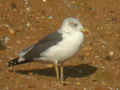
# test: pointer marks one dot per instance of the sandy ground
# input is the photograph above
(95, 67)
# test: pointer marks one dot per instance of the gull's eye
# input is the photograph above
(73, 24)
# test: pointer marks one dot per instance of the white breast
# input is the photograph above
(64, 49)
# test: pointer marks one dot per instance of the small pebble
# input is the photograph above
(18, 42)
(50, 17)
(42, 17)
(87, 48)
(110, 88)
(6, 38)
(26, 2)
(11, 31)
(111, 53)
(102, 67)
(28, 37)
(3, 42)
(44, 0)
(100, 27)
(84, 88)
(117, 88)
(103, 46)
(97, 56)
(28, 24)
(28, 9)
(6, 88)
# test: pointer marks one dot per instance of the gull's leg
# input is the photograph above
(57, 72)
(61, 73)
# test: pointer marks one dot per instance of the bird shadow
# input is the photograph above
(82, 70)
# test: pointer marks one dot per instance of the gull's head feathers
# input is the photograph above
(71, 25)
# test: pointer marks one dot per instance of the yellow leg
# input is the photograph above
(57, 72)
(61, 73)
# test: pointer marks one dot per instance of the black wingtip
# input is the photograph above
(16, 61)
(13, 62)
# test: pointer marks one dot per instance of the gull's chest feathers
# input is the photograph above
(66, 48)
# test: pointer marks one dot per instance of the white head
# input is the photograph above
(71, 25)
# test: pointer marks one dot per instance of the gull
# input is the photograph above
(55, 48)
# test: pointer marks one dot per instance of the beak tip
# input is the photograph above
(85, 31)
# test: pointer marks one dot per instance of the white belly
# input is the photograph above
(65, 49)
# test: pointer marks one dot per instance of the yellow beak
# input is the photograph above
(85, 30)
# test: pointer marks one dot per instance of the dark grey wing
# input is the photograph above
(25, 50)
(42, 45)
